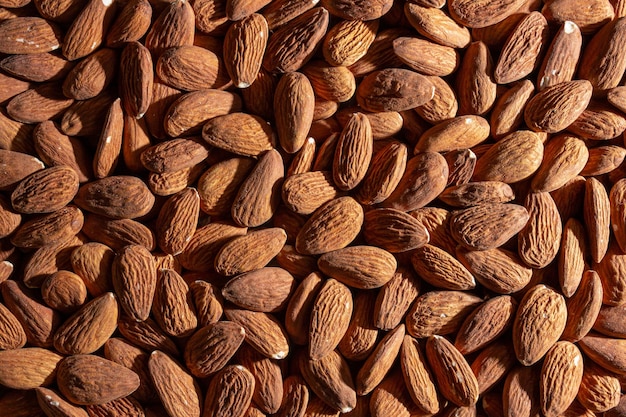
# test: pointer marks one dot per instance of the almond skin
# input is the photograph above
(539, 322)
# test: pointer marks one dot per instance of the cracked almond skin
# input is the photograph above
(539, 322)
(482, 13)
(330, 318)
(331, 227)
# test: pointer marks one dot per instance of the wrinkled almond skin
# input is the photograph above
(561, 374)
(539, 322)
(75, 378)
(375, 266)
(330, 317)
(209, 349)
(333, 226)
(452, 372)
(265, 289)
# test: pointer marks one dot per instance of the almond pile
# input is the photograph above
(245, 208)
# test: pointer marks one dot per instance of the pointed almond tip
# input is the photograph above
(279, 355)
(346, 409)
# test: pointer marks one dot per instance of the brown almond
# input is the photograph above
(487, 226)
(452, 372)
(439, 312)
(28, 368)
(265, 290)
(539, 322)
(77, 381)
(561, 374)
(210, 348)
(117, 197)
(362, 267)
(178, 391)
(134, 279)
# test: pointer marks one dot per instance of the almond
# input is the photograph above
(539, 322)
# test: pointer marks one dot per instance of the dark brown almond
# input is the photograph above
(117, 197)
(394, 89)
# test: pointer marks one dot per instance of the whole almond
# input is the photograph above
(452, 372)
(211, 347)
(42, 36)
(89, 328)
(410, 90)
(556, 107)
(117, 197)
(294, 103)
(475, 228)
(266, 289)
(77, 382)
(431, 315)
(374, 268)
(330, 317)
(539, 322)
(332, 226)
(259, 194)
(561, 374)
(178, 391)
(28, 368)
(221, 399)
(134, 280)
(244, 46)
